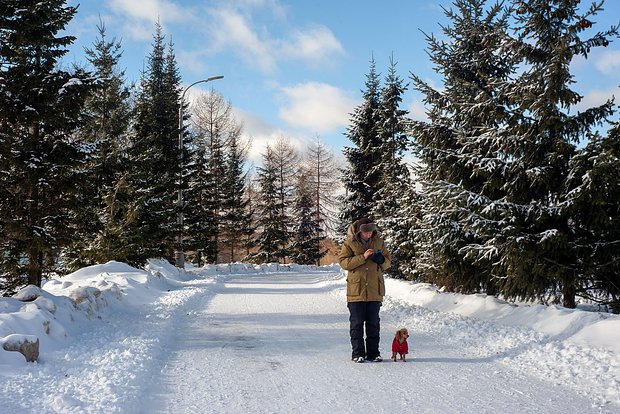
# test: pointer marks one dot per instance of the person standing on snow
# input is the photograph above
(365, 258)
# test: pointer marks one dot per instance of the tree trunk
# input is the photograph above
(568, 294)
(35, 261)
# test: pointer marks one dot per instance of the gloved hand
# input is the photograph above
(377, 257)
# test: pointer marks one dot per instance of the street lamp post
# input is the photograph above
(180, 254)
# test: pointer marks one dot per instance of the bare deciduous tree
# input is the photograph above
(324, 178)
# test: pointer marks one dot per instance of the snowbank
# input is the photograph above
(593, 329)
(64, 306)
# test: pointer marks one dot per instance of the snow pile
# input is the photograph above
(593, 329)
(66, 305)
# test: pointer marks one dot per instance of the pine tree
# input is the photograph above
(394, 180)
(308, 229)
(272, 233)
(591, 200)
(40, 109)
(104, 132)
(459, 149)
(237, 216)
(153, 159)
(361, 176)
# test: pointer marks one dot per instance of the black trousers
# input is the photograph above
(364, 315)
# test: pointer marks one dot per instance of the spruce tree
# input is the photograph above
(40, 109)
(308, 229)
(460, 148)
(273, 235)
(497, 151)
(286, 160)
(176, 176)
(199, 218)
(103, 133)
(534, 253)
(237, 216)
(394, 181)
(215, 126)
(253, 198)
(591, 201)
(153, 158)
(361, 176)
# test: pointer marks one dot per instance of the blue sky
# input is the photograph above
(296, 68)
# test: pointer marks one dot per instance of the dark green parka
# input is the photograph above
(365, 281)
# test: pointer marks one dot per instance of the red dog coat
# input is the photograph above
(402, 349)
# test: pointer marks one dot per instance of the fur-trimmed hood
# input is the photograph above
(353, 232)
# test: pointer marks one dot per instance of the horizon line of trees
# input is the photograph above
(90, 166)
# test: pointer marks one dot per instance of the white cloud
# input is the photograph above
(139, 30)
(193, 62)
(316, 107)
(255, 126)
(151, 10)
(597, 97)
(255, 30)
(233, 32)
(315, 46)
(417, 112)
(277, 9)
(259, 133)
(608, 62)
(138, 17)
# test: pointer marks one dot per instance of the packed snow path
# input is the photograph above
(278, 343)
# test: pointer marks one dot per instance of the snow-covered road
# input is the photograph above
(274, 339)
(278, 343)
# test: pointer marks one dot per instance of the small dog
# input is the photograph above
(399, 345)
